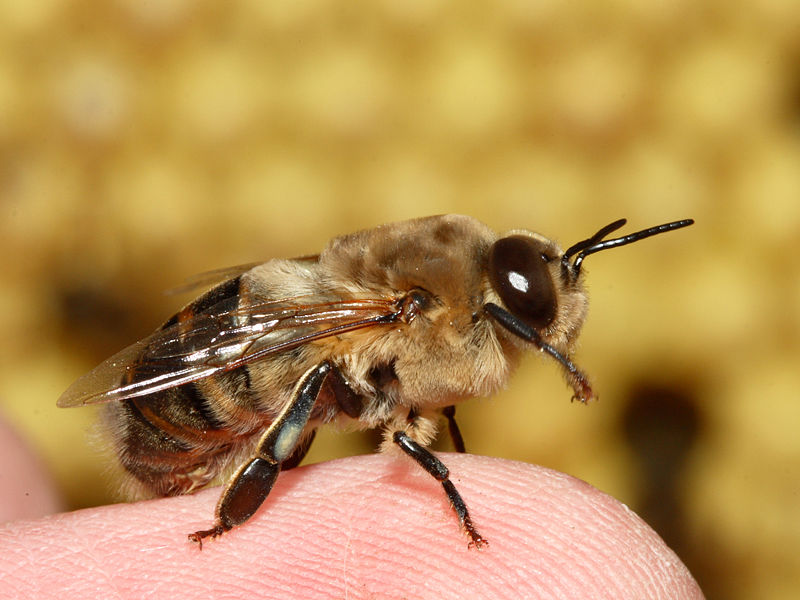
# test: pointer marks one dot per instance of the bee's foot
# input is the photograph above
(199, 536)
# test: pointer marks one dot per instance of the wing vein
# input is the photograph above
(221, 339)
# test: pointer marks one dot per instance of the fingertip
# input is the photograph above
(372, 525)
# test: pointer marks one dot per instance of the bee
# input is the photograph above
(388, 327)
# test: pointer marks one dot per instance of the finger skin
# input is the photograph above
(26, 489)
(363, 527)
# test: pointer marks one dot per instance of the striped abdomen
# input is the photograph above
(178, 439)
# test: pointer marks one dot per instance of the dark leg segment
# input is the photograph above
(351, 403)
(247, 491)
(252, 483)
(455, 433)
(440, 472)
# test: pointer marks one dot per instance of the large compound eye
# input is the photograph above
(519, 274)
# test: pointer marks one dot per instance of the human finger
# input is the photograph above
(364, 527)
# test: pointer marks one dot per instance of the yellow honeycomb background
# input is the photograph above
(142, 142)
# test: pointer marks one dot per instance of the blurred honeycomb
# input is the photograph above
(141, 142)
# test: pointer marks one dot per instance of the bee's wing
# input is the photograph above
(220, 340)
(214, 276)
(209, 278)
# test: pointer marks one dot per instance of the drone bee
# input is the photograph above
(388, 327)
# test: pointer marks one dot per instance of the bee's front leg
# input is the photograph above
(441, 473)
(253, 481)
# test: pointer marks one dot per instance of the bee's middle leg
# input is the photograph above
(251, 484)
(455, 432)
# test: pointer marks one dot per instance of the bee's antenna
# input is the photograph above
(596, 242)
(592, 240)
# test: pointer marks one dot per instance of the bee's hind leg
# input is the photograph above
(251, 484)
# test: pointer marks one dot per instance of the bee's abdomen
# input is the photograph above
(173, 441)
(182, 414)
(170, 441)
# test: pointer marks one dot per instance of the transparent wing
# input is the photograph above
(209, 278)
(221, 339)
(215, 276)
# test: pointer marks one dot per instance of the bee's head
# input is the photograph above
(539, 287)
